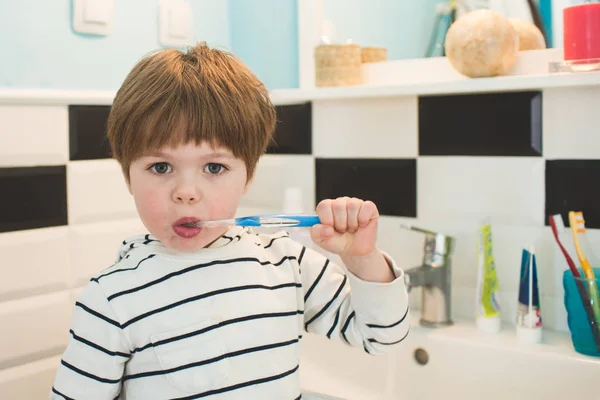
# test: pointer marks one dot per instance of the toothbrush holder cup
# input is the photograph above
(585, 335)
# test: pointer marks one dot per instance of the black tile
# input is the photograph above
(572, 185)
(293, 133)
(390, 183)
(490, 124)
(32, 197)
(87, 132)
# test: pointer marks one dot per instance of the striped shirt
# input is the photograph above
(221, 323)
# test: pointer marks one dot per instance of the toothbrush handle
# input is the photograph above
(263, 220)
(248, 221)
(304, 220)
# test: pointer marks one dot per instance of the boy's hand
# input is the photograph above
(348, 226)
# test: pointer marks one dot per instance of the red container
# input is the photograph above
(581, 32)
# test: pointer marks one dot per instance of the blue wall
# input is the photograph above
(38, 48)
(264, 33)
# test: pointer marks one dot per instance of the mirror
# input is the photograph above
(416, 29)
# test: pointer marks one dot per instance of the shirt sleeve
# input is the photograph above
(93, 362)
(344, 307)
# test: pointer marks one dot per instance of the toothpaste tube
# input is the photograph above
(529, 314)
(488, 306)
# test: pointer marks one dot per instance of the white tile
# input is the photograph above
(471, 188)
(275, 173)
(570, 123)
(463, 303)
(34, 328)
(376, 128)
(30, 381)
(33, 135)
(96, 192)
(95, 246)
(405, 247)
(35, 261)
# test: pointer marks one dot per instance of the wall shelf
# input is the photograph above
(296, 96)
(416, 77)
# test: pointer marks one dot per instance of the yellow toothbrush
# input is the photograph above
(578, 227)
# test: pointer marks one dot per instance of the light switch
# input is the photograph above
(177, 29)
(97, 11)
(93, 16)
(175, 23)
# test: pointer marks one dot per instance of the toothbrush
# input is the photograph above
(578, 227)
(557, 225)
(267, 220)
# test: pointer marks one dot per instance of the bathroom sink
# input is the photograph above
(455, 362)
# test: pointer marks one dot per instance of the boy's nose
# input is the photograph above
(186, 199)
(186, 194)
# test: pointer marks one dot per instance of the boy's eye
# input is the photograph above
(161, 168)
(213, 168)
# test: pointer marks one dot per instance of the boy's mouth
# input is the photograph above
(187, 221)
(186, 227)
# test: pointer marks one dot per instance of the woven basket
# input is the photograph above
(337, 65)
(373, 54)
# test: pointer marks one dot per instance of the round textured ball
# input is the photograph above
(530, 36)
(482, 43)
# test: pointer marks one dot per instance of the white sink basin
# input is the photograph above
(462, 364)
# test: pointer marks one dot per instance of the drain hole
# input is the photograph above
(421, 356)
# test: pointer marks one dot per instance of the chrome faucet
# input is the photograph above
(434, 277)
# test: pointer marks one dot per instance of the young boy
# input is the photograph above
(189, 313)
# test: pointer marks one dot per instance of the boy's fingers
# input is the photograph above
(325, 212)
(354, 206)
(340, 214)
(368, 211)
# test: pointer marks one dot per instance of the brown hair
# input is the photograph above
(172, 98)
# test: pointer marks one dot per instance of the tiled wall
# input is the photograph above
(62, 211)
(443, 163)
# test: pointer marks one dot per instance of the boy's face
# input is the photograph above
(183, 184)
